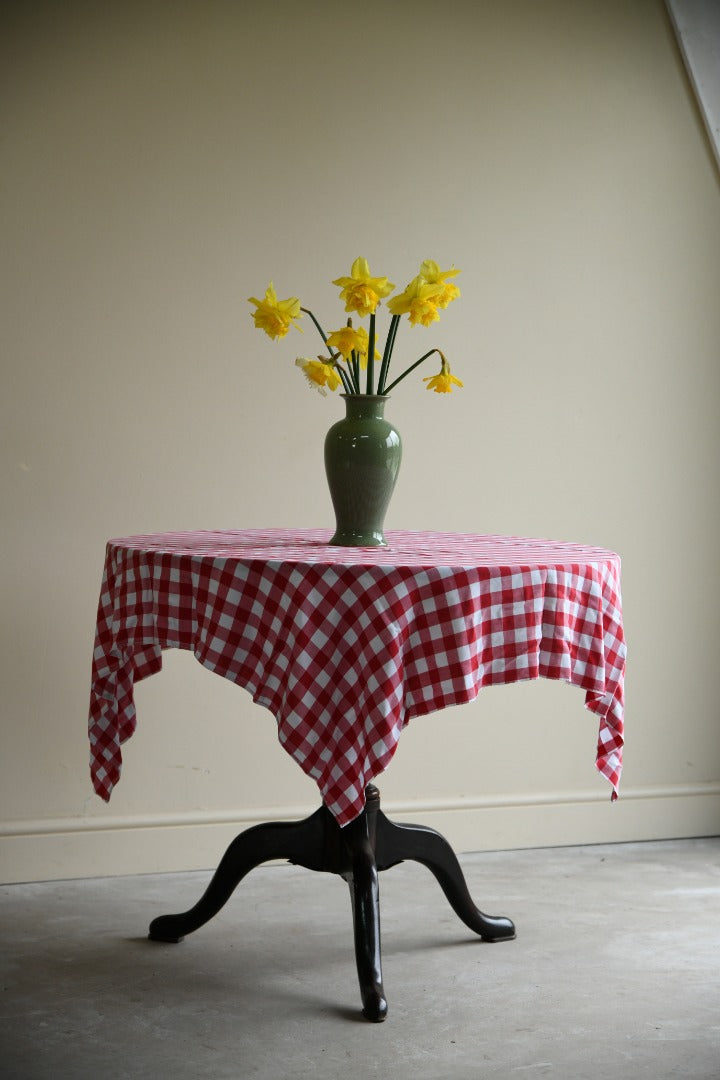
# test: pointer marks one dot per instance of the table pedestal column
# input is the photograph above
(356, 852)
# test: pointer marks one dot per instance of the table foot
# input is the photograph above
(297, 841)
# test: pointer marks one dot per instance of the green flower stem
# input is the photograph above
(356, 371)
(320, 330)
(389, 344)
(345, 378)
(408, 370)
(371, 356)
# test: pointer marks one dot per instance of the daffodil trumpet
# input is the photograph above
(353, 349)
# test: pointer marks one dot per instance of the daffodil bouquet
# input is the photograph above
(352, 355)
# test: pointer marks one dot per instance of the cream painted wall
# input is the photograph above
(160, 164)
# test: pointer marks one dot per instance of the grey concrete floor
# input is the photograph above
(615, 973)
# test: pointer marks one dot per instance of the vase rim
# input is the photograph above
(366, 397)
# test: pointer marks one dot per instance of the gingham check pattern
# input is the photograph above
(345, 645)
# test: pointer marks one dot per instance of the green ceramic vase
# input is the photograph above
(362, 459)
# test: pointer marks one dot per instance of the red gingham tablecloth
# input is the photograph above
(345, 645)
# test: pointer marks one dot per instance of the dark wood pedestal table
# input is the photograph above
(368, 844)
(344, 646)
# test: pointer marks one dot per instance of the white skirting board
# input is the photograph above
(52, 850)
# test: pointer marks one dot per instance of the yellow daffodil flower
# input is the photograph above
(348, 340)
(349, 347)
(419, 300)
(442, 383)
(275, 316)
(432, 273)
(319, 374)
(362, 292)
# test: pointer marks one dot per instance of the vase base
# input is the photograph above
(351, 538)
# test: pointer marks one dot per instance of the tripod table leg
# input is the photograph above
(301, 841)
(365, 896)
(395, 842)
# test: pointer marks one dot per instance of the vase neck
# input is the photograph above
(365, 405)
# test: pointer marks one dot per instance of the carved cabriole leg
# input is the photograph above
(396, 842)
(298, 841)
(359, 839)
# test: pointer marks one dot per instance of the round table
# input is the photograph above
(345, 646)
